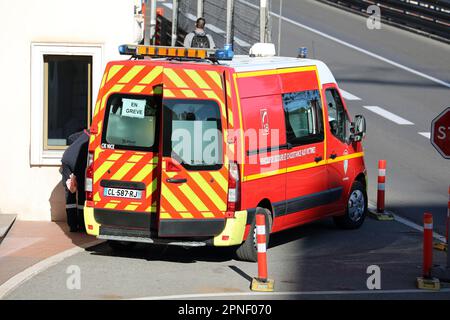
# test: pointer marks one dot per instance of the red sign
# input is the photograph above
(440, 133)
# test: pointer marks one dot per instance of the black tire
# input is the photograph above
(247, 250)
(121, 245)
(354, 215)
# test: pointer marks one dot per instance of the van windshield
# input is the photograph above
(130, 122)
(192, 133)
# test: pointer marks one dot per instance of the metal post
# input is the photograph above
(174, 22)
(147, 23)
(279, 26)
(199, 8)
(152, 20)
(230, 6)
(262, 20)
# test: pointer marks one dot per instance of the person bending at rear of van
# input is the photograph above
(73, 172)
(199, 38)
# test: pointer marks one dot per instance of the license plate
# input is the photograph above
(122, 193)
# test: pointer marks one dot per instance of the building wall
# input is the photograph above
(34, 191)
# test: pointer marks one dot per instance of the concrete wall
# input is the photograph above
(34, 192)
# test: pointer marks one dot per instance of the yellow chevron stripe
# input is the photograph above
(115, 156)
(151, 188)
(165, 215)
(97, 197)
(175, 78)
(122, 171)
(176, 204)
(135, 158)
(131, 74)
(192, 196)
(189, 93)
(168, 93)
(204, 185)
(228, 89)
(131, 207)
(152, 75)
(110, 205)
(102, 170)
(137, 89)
(218, 177)
(216, 77)
(197, 79)
(186, 215)
(113, 71)
(140, 176)
(208, 214)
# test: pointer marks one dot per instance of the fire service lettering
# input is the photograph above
(287, 156)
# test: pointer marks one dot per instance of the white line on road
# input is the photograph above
(388, 115)
(43, 265)
(348, 95)
(425, 134)
(373, 55)
(287, 293)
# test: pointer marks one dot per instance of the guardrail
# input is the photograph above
(431, 17)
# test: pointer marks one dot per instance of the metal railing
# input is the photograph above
(431, 17)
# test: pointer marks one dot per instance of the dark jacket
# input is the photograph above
(74, 158)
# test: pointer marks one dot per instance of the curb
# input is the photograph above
(41, 266)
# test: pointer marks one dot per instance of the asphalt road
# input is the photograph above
(308, 262)
(318, 260)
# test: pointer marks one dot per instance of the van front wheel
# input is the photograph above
(356, 209)
(247, 251)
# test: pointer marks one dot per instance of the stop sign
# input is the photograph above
(440, 133)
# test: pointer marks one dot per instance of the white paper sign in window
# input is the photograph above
(133, 108)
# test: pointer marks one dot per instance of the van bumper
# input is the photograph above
(229, 232)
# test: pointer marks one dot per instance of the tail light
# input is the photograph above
(233, 190)
(89, 176)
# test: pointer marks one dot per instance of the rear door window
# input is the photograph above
(193, 133)
(131, 122)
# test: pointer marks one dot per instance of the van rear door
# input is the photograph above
(194, 175)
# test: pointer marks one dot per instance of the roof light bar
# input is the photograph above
(175, 52)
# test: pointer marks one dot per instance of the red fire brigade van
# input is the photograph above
(188, 145)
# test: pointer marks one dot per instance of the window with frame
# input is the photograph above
(303, 115)
(67, 98)
(337, 116)
(193, 133)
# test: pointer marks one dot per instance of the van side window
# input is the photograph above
(303, 114)
(337, 116)
(192, 133)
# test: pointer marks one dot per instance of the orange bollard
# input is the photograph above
(261, 283)
(261, 245)
(427, 281)
(427, 244)
(381, 185)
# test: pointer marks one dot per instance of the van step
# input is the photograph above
(171, 242)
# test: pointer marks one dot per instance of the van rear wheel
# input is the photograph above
(356, 210)
(247, 251)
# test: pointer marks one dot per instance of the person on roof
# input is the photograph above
(73, 170)
(199, 38)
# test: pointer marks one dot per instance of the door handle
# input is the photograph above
(175, 180)
(318, 159)
(333, 156)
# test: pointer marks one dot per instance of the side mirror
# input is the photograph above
(358, 129)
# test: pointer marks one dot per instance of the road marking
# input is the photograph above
(409, 223)
(425, 134)
(388, 115)
(348, 95)
(43, 265)
(287, 293)
(211, 27)
(349, 45)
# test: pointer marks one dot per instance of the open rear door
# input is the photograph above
(194, 173)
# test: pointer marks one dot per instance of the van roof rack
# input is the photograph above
(141, 51)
